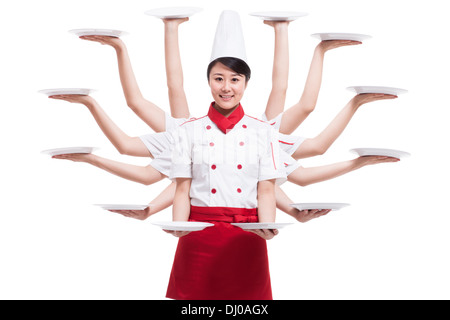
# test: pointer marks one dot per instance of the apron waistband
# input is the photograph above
(224, 214)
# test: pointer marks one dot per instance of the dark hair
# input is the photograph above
(237, 65)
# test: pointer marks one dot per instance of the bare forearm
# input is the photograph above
(280, 72)
(283, 202)
(164, 199)
(145, 175)
(306, 176)
(181, 200)
(266, 201)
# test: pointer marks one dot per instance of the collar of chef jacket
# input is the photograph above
(225, 123)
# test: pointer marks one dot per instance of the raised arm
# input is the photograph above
(306, 176)
(146, 175)
(125, 144)
(280, 70)
(320, 144)
(150, 113)
(174, 71)
(296, 114)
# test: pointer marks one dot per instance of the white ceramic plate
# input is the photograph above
(66, 91)
(380, 152)
(261, 225)
(123, 206)
(341, 36)
(98, 32)
(69, 150)
(183, 225)
(375, 89)
(173, 12)
(279, 15)
(319, 206)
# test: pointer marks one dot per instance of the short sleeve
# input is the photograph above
(270, 165)
(156, 143)
(181, 153)
(173, 123)
(275, 123)
(289, 143)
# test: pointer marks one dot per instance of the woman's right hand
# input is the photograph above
(177, 234)
(114, 42)
(74, 98)
(76, 157)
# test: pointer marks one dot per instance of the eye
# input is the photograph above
(218, 78)
(235, 79)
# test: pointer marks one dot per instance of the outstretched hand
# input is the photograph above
(326, 45)
(266, 234)
(135, 214)
(114, 42)
(308, 215)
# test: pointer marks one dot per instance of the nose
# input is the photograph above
(226, 86)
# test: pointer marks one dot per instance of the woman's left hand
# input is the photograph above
(266, 234)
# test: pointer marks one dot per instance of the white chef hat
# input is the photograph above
(229, 38)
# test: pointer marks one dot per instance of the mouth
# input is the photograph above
(226, 97)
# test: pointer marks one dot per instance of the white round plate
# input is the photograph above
(380, 152)
(375, 89)
(123, 206)
(98, 32)
(319, 206)
(261, 225)
(341, 36)
(69, 150)
(173, 12)
(279, 15)
(67, 91)
(183, 225)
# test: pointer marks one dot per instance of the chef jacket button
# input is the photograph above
(239, 190)
(211, 144)
(239, 166)
(208, 127)
(244, 126)
(213, 191)
(213, 167)
(241, 143)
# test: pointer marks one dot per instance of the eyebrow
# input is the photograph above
(233, 75)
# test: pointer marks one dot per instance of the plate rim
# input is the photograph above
(397, 89)
(100, 30)
(50, 151)
(175, 15)
(401, 153)
(47, 91)
(363, 35)
(272, 15)
(341, 205)
(281, 224)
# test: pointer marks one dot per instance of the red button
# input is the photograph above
(213, 167)
(239, 166)
(239, 190)
(208, 127)
(241, 143)
(213, 191)
(211, 144)
(244, 126)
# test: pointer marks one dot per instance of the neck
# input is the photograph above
(225, 112)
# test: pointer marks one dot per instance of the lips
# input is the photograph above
(226, 97)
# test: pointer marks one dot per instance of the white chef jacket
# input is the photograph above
(156, 143)
(225, 167)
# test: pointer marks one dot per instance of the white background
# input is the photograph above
(391, 243)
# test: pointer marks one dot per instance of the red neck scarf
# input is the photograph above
(225, 123)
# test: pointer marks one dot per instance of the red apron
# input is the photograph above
(222, 262)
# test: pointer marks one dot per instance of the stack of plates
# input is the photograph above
(261, 225)
(341, 36)
(123, 206)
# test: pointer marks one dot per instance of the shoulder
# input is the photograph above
(258, 123)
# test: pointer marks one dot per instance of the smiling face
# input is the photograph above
(227, 88)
